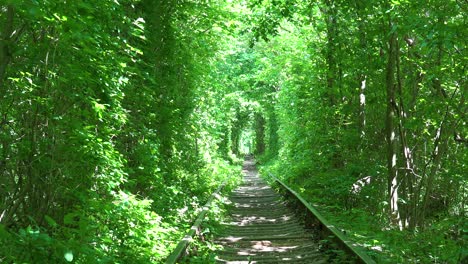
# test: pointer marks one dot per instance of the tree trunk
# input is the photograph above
(362, 71)
(5, 44)
(392, 145)
(330, 21)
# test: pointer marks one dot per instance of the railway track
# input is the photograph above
(262, 229)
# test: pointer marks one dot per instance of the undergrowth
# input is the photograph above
(128, 230)
(442, 241)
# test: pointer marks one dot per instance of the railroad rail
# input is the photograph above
(181, 247)
(327, 228)
(263, 229)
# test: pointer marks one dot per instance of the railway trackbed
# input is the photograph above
(263, 229)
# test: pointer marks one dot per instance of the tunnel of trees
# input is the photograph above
(119, 118)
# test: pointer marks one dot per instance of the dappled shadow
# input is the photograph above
(262, 229)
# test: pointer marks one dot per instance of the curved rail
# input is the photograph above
(341, 239)
(178, 252)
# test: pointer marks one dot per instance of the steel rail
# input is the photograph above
(349, 246)
(178, 252)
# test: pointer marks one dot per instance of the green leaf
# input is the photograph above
(68, 256)
(3, 232)
(50, 221)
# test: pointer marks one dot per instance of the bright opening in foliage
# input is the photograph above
(247, 142)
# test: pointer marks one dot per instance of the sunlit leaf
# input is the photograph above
(68, 256)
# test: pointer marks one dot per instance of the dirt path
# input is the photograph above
(263, 229)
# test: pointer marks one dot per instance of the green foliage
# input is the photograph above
(106, 150)
(327, 64)
(118, 118)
